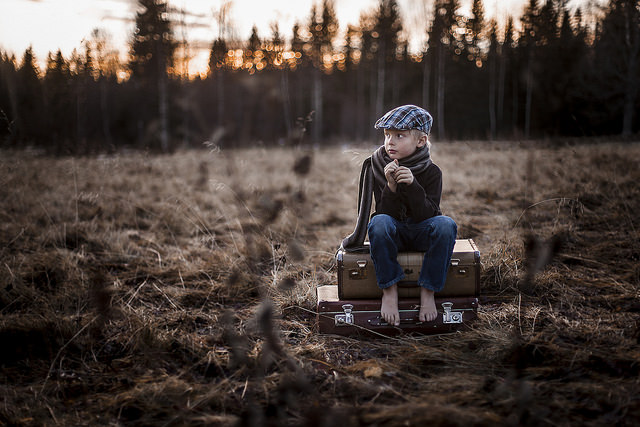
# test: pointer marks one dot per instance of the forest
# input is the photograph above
(548, 73)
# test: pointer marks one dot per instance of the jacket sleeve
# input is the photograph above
(423, 195)
(419, 200)
(390, 203)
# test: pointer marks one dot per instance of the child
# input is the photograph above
(407, 187)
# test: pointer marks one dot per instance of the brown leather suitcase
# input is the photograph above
(357, 277)
(353, 316)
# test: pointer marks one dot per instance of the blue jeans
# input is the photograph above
(434, 236)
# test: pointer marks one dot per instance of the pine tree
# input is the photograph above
(365, 78)
(329, 28)
(152, 47)
(57, 98)
(443, 44)
(547, 23)
(30, 106)
(275, 61)
(387, 28)
(527, 47)
(323, 28)
(253, 52)
(506, 73)
(217, 70)
(493, 57)
(8, 99)
(617, 63)
(475, 27)
(297, 45)
(274, 47)
(152, 50)
(218, 55)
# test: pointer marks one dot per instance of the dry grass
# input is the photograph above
(180, 289)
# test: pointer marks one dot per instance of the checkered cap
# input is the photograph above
(406, 117)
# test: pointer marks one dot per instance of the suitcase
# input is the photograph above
(353, 316)
(357, 277)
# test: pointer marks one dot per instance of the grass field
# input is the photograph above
(168, 290)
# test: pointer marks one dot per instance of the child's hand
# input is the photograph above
(403, 175)
(390, 174)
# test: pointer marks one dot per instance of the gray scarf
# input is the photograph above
(373, 171)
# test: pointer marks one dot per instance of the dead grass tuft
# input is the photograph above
(141, 289)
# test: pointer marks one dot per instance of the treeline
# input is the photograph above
(543, 74)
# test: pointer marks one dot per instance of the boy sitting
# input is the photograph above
(407, 187)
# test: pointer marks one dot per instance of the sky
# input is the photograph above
(49, 25)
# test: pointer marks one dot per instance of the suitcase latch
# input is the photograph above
(360, 272)
(345, 319)
(462, 272)
(450, 316)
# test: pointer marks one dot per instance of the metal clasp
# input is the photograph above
(450, 316)
(360, 272)
(345, 319)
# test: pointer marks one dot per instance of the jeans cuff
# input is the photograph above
(391, 282)
(429, 286)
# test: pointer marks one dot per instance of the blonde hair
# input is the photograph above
(419, 134)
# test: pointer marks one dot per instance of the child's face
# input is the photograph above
(402, 143)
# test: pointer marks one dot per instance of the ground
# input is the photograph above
(178, 289)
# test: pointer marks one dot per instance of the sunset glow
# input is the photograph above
(49, 25)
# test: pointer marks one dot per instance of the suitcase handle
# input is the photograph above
(379, 321)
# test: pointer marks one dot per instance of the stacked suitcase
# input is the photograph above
(353, 305)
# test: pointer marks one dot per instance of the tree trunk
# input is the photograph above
(104, 109)
(514, 105)
(13, 102)
(630, 96)
(396, 76)
(360, 102)
(501, 84)
(426, 81)
(317, 105)
(80, 134)
(529, 82)
(286, 101)
(440, 92)
(492, 97)
(380, 83)
(164, 113)
(220, 106)
(631, 92)
(372, 99)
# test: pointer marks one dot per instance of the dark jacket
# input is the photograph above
(419, 200)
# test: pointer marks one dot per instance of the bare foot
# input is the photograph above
(389, 308)
(428, 312)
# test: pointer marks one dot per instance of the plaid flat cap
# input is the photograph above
(406, 117)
